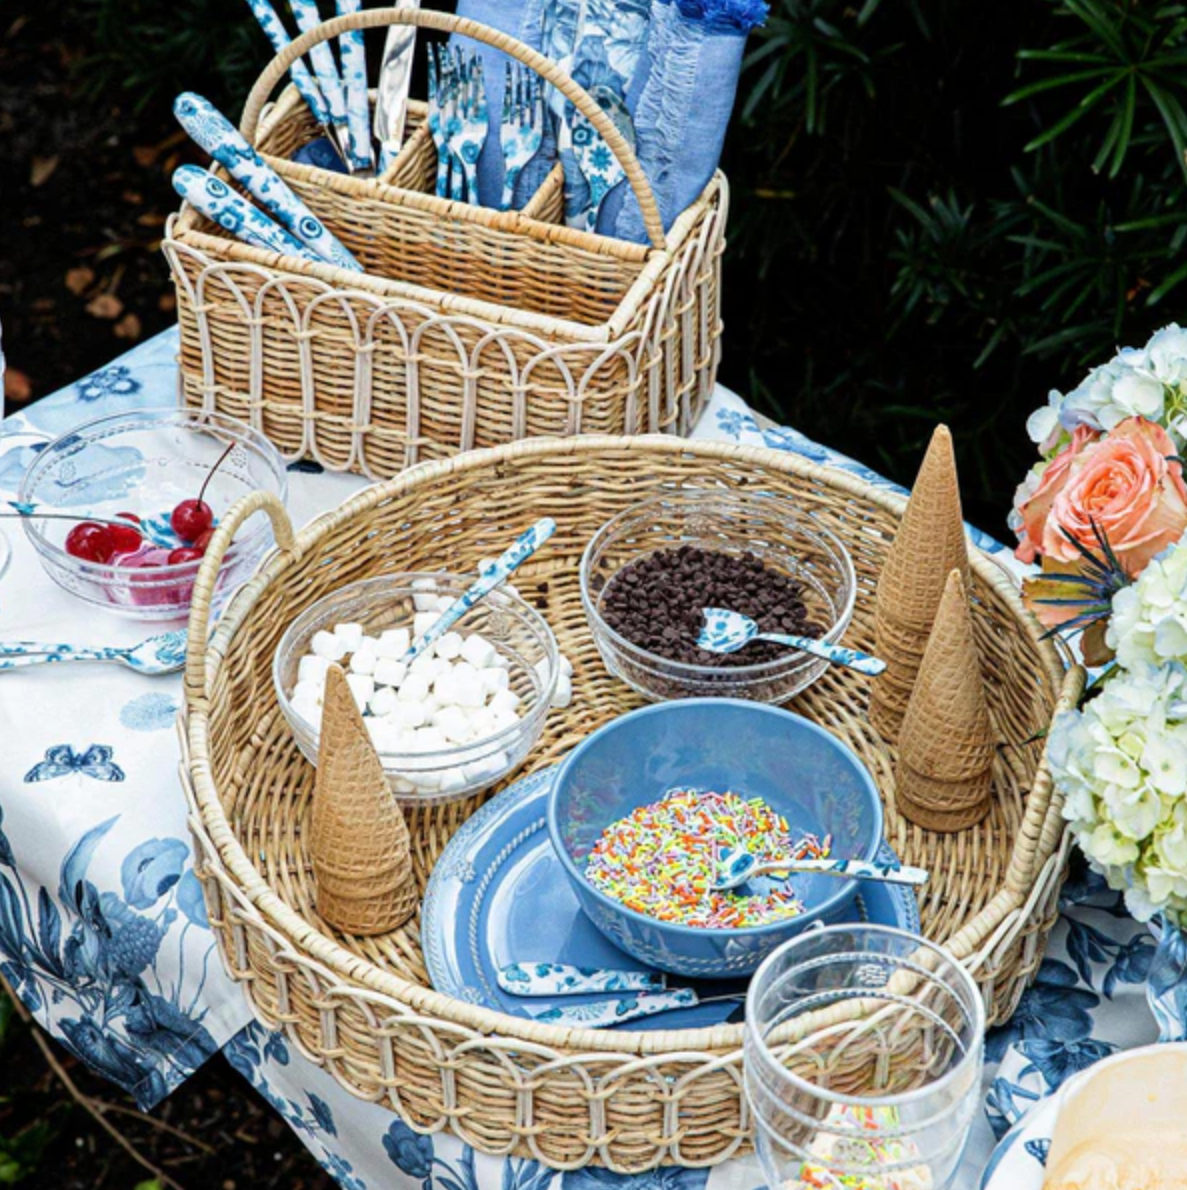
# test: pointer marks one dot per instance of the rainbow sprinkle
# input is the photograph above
(662, 858)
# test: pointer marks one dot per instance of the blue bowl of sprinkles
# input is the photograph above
(799, 769)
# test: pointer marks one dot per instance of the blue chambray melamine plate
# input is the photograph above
(499, 895)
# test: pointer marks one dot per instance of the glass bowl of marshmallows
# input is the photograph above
(461, 716)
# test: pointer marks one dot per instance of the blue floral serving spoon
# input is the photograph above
(161, 654)
(734, 868)
(726, 632)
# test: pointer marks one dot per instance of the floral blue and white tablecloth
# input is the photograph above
(103, 931)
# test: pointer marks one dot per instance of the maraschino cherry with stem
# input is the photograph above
(192, 518)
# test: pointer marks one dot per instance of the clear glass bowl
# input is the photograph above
(145, 462)
(885, 1094)
(519, 633)
(771, 528)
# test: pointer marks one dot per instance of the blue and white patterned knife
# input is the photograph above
(524, 546)
(600, 1014)
(353, 53)
(328, 80)
(217, 201)
(564, 979)
(212, 131)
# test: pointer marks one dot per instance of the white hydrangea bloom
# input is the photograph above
(1121, 763)
(1149, 620)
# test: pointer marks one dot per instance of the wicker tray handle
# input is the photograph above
(200, 603)
(448, 23)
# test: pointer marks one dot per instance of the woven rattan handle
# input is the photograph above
(447, 23)
(282, 527)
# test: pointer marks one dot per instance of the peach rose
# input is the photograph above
(1034, 506)
(1129, 486)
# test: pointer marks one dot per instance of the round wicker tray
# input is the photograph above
(361, 1006)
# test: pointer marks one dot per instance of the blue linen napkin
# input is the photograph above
(691, 69)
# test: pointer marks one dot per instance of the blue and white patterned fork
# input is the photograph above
(328, 79)
(353, 52)
(162, 654)
(510, 560)
(305, 83)
(597, 163)
(218, 202)
(522, 129)
(440, 82)
(470, 123)
(726, 632)
(735, 867)
(212, 131)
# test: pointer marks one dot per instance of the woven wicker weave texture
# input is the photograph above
(569, 1097)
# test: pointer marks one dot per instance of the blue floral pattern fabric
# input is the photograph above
(103, 927)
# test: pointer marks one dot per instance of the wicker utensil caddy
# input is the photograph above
(469, 327)
(362, 1007)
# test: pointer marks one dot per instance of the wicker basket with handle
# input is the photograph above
(470, 327)
(363, 1007)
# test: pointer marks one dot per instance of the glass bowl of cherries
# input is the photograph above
(121, 510)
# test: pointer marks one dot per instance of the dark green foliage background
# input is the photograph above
(941, 208)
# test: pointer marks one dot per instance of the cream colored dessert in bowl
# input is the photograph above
(1122, 1124)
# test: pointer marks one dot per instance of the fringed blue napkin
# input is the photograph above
(693, 60)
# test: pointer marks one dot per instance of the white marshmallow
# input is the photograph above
(426, 664)
(424, 594)
(349, 635)
(429, 739)
(328, 645)
(478, 651)
(489, 768)
(402, 785)
(383, 701)
(380, 731)
(426, 782)
(422, 622)
(389, 672)
(445, 686)
(363, 661)
(482, 723)
(505, 700)
(453, 780)
(312, 668)
(308, 709)
(431, 704)
(444, 603)
(362, 686)
(407, 715)
(502, 719)
(467, 685)
(394, 643)
(563, 694)
(566, 666)
(454, 724)
(493, 680)
(309, 692)
(450, 646)
(413, 688)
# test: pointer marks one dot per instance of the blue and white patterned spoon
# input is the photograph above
(218, 202)
(353, 53)
(328, 80)
(211, 130)
(161, 654)
(524, 546)
(735, 867)
(726, 632)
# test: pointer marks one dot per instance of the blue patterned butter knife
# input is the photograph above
(212, 131)
(274, 30)
(600, 1014)
(217, 201)
(524, 546)
(328, 80)
(564, 979)
(726, 632)
(353, 53)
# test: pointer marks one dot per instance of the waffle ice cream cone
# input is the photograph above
(359, 841)
(944, 774)
(929, 544)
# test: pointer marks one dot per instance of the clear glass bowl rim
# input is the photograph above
(731, 675)
(975, 1005)
(167, 575)
(424, 762)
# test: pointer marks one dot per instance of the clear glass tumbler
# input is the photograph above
(863, 1059)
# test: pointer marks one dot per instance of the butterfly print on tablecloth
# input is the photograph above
(61, 760)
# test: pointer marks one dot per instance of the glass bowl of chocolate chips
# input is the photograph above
(649, 572)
